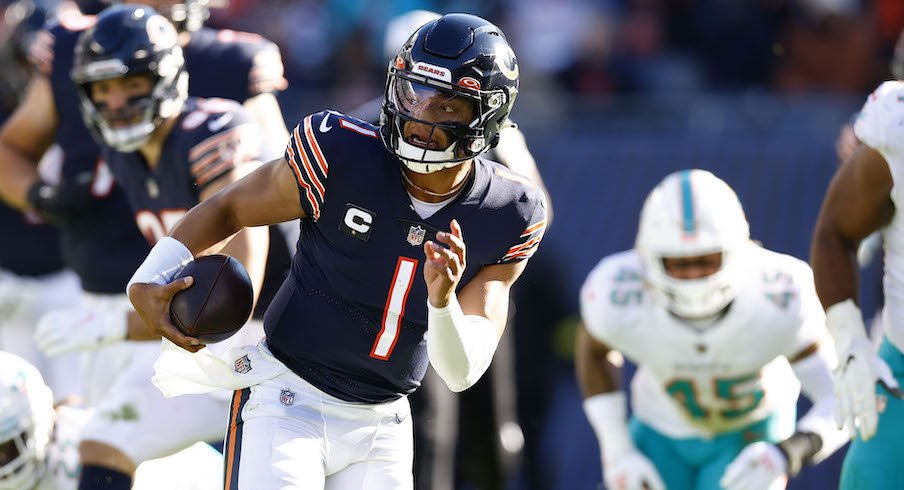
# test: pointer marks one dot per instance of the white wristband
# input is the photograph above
(845, 323)
(162, 264)
(607, 413)
(460, 347)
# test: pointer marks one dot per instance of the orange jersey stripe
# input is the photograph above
(536, 226)
(315, 147)
(309, 193)
(233, 428)
(307, 164)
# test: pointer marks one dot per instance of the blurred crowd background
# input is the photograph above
(614, 95)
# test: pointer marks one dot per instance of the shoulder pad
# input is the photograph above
(783, 280)
(267, 73)
(612, 290)
(313, 143)
(223, 136)
(879, 123)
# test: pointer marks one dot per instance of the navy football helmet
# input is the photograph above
(188, 15)
(129, 40)
(458, 57)
(22, 21)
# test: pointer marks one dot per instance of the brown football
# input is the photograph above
(219, 301)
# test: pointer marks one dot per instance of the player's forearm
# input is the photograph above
(264, 108)
(205, 225)
(834, 261)
(595, 372)
(18, 173)
(136, 330)
(251, 246)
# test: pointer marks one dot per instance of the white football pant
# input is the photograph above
(286, 434)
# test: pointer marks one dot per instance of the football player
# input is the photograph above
(32, 277)
(347, 335)
(101, 242)
(862, 198)
(38, 444)
(721, 330)
(438, 421)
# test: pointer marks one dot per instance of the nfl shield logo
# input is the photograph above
(243, 364)
(416, 235)
(287, 397)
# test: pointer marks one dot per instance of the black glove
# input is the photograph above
(68, 201)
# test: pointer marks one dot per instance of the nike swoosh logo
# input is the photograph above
(218, 123)
(324, 128)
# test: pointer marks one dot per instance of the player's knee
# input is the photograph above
(94, 453)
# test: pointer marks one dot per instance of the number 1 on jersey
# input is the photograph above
(395, 308)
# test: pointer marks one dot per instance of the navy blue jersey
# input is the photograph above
(28, 248)
(106, 247)
(352, 318)
(232, 65)
(209, 138)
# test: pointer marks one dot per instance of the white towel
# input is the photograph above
(180, 372)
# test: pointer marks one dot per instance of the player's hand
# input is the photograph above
(760, 466)
(856, 403)
(73, 329)
(152, 303)
(444, 266)
(632, 471)
(65, 202)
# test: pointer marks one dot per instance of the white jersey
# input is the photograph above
(694, 382)
(198, 467)
(880, 126)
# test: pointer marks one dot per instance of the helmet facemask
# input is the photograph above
(408, 101)
(20, 466)
(693, 214)
(26, 423)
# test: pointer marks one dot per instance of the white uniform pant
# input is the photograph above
(133, 416)
(136, 419)
(23, 300)
(286, 434)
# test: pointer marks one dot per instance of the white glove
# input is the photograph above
(856, 402)
(632, 471)
(72, 329)
(760, 466)
(859, 368)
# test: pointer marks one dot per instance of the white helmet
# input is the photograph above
(693, 213)
(26, 422)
